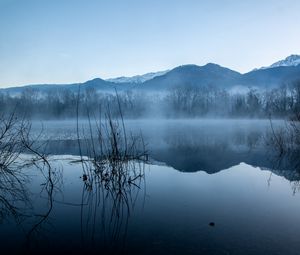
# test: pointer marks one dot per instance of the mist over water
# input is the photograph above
(212, 185)
(185, 144)
(154, 175)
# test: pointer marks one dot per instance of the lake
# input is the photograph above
(208, 187)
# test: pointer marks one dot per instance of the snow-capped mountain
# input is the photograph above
(292, 60)
(137, 78)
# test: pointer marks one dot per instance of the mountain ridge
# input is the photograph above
(137, 78)
(292, 60)
(210, 74)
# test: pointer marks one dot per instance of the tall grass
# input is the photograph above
(113, 175)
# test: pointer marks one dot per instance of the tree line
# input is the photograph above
(180, 102)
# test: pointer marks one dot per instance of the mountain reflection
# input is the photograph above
(103, 207)
(191, 146)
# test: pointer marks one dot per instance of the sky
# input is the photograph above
(67, 41)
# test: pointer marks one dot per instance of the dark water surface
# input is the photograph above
(212, 187)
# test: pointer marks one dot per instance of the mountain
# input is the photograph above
(270, 77)
(193, 75)
(97, 84)
(222, 77)
(284, 71)
(137, 78)
(292, 60)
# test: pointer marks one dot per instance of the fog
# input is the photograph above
(153, 158)
(180, 102)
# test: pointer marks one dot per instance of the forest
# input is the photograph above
(180, 102)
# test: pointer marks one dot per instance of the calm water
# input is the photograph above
(212, 187)
(186, 145)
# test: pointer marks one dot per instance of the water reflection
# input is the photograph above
(21, 214)
(177, 208)
(108, 199)
(86, 205)
(51, 184)
(209, 146)
(13, 193)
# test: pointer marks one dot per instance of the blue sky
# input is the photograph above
(65, 41)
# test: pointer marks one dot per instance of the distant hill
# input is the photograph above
(271, 77)
(287, 70)
(97, 84)
(137, 78)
